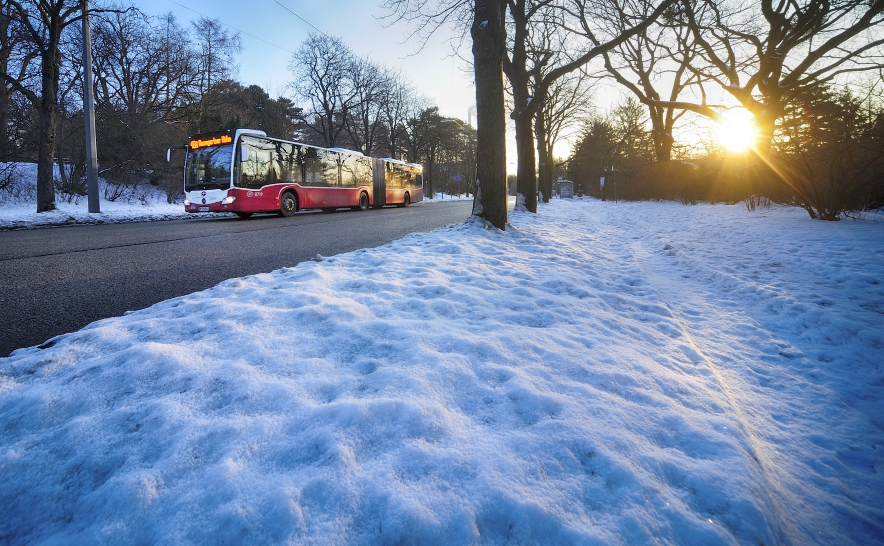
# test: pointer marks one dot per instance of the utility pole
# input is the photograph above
(89, 113)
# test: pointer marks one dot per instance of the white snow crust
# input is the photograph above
(600, 373)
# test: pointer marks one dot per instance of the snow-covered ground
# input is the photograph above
(149, 204)
(154, 207)
(24, 215)
(600, 373)
(136, 204)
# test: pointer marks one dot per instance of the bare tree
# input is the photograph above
(143, 66)
(146, 78)
(321, 69)
(217, 47)
(521, 67)
(567, 103)
(399, 103)
(567, 100)
(70, 145)
(655, 65)
(519, 71)
(411, 142)
(364, 124)
(43, 22)
(15, 60)
(768, 53)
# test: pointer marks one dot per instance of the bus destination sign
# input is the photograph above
(205, 141)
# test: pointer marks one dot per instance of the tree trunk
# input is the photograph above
(489, 41)
(5, 100)
(51, 62)
(526, 174)
(5, 89)
(544, 167)
(431, 165)
(523, 110)
(766, 127)
(662, 136)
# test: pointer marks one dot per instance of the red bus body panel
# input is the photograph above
(397, 196)
(253, 159)
(267, 199)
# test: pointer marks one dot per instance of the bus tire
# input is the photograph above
(406, 200)
(363, 201)
(288, 204)
(244, 215)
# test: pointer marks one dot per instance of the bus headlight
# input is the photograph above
(187, 202)
(228, 200)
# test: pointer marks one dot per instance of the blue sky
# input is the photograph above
(270, 34)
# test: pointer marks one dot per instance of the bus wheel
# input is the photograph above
(288, 205)
(244, 215)
(363, 201)
(405, 201)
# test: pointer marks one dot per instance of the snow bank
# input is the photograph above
(144, 203)
(601, 373)
(18, 203)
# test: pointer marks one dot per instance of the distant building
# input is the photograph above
(565, 188)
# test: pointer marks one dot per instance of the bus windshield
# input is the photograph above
(208, 168)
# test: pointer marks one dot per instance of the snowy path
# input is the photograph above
(601, 373)
(700, 326)
(744, 317)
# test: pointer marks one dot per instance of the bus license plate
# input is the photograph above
(204, 209)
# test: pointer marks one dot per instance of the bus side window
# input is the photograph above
(395, 176)
(264, 172)
(314, 172)
(348, 178)
(241, 152)
(249, 177)
(362, 171)
(392, 178)
(330, 171)
(285, 162)
(257, 171)
(355, 171)
(290, 164)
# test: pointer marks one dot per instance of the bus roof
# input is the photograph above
(345, 151)
(400, 162)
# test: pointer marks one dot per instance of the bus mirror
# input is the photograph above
(244, 152)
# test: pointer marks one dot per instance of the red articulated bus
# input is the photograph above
(244, 171)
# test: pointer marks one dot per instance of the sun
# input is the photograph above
(737, 133)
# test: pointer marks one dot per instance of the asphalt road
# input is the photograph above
(54, 281)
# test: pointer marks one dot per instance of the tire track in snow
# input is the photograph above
(768, 310)
(618, 239)
(755, 447)
(766, 331)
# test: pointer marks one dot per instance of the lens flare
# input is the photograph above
(737, 134)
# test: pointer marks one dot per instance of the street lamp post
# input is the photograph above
(89, 112)
(613, 169)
